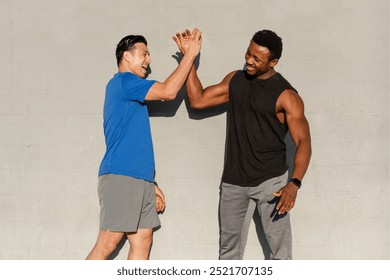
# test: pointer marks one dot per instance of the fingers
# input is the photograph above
(188, 42)
(180, 39)
(175, 38)
(196, 33)
(160, 199)
(160, 205)
(284, 206)
(286, 202)
(277, 194)
(186, 33)
(159, 193)
(161, 196)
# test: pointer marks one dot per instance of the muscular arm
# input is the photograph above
(293, 106)
(198, 97)
(168, 89)
(211, 96)
(299, 130)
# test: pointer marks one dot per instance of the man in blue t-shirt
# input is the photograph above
(129, 197)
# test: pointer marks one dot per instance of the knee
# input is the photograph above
(103, 249)
(107, 244)
(144, 244)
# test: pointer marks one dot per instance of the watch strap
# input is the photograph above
(296, 182)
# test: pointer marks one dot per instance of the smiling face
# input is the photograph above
(258, 61)
(136, 60)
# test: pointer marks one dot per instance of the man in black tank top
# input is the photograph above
(263, 107)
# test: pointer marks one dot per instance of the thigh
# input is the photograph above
(233, 206)
(140, 244)
(121, 201)
(142, 237)
(264, 192)
(149, 217)
(109, 239)
(266, 204)
(277, 228)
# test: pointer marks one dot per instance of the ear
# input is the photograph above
(274, 62)
(127, 56)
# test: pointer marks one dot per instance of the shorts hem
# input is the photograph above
(127, 230)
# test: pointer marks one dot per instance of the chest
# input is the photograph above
(255, 97)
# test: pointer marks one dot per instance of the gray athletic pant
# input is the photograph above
(233, 208)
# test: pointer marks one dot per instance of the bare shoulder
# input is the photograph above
(289, 100)
(229, 76)
(224, 84)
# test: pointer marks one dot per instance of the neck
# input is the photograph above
(122, 68)
(267, 74)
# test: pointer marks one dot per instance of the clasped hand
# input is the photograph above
(189, 42)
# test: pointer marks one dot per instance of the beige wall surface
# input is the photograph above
(56, 57)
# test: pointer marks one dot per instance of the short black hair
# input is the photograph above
(270, 40)
(126, 44)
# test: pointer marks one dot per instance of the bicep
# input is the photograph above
(156, 92)
(216, 94)
(298, 125)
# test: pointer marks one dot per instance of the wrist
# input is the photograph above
(190, 55)
(296, 182)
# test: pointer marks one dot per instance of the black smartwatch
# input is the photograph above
(296, 182)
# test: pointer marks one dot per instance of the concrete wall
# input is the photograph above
(57, 55)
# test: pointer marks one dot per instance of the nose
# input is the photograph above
(249, 60)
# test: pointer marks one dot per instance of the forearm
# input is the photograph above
(302, 159)
(178, 77)
(194, 88)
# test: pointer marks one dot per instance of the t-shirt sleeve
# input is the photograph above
(135, 88)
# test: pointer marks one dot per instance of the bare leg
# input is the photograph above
(105, 245)
(140, 244)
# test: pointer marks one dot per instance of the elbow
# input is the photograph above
(196, 105)
(169, 95)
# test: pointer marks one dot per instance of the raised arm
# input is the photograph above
(168, 89)
(198, 97)
(290, 102)
(214, 95)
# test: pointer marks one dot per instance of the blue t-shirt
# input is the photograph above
(129, 148)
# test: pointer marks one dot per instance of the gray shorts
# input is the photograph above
(126, 204)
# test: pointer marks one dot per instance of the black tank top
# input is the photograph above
(255, 148)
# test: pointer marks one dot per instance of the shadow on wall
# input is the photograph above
(169, 108)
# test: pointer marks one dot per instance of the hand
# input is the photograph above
(160, 205)
(287, 195)
(181, 38)
(189, 42)
(160, 199)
